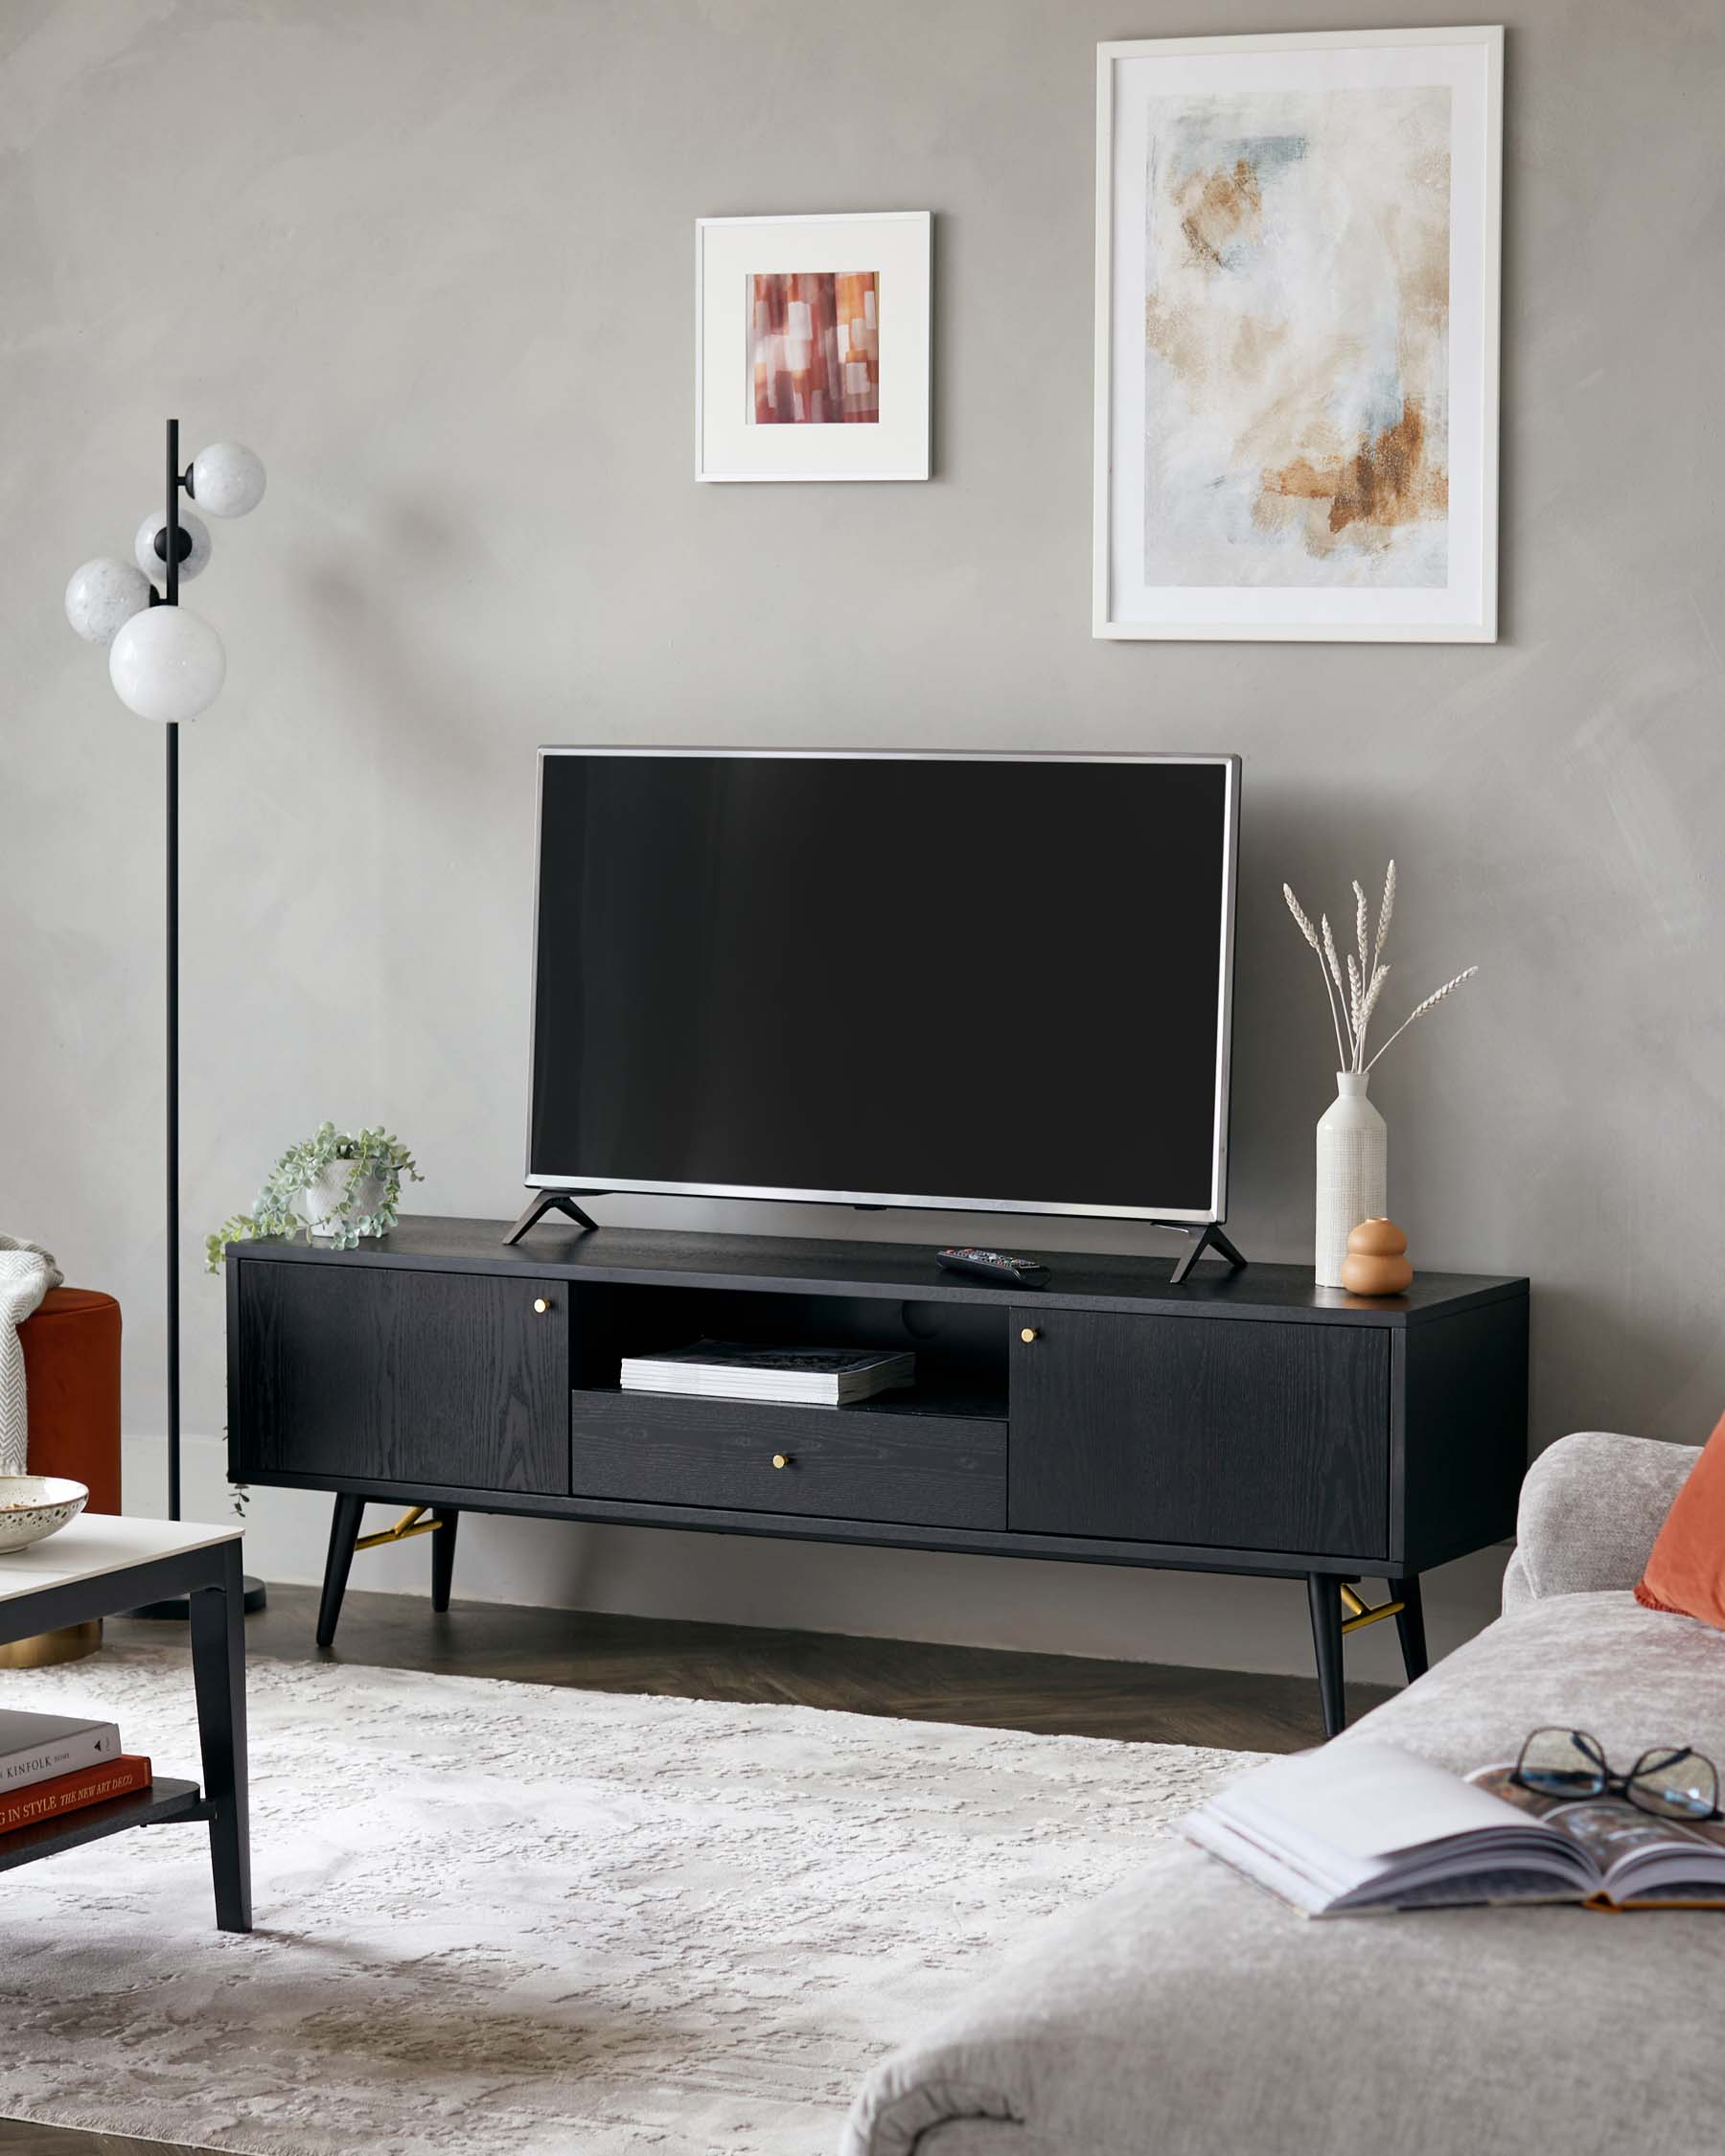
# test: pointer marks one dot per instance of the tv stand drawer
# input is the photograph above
(862, 1462)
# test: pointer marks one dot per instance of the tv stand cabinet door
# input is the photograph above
(377, 1375)
(1225, 1432)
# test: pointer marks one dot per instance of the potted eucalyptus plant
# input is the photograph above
(334, 1188)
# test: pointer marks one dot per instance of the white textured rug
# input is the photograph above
(515, 1918)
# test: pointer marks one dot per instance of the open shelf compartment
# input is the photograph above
(960, 1350)
(163, 1802)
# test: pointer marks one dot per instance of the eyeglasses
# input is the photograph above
(1668, 1780)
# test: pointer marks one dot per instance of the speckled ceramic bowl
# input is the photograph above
(34, 1505)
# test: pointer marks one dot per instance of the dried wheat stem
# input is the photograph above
(1385, 912)
(1361, 922)
(1310, 934)
(1306, 929)
(1335, 967)
(1355, 991)
(1367, 1004)
(1420, 1010)
(1329, 952)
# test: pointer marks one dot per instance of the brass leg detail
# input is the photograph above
(1359, 1611)
(413, 1522)
(43, 1649)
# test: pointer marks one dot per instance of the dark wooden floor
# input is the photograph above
(1056, 1694)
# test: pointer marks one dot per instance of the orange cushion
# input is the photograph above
(70, 1343)
(1686, 1571)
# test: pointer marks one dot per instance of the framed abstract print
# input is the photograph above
(1297, 336)
(812, 347)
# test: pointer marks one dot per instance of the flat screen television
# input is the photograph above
(970, 982)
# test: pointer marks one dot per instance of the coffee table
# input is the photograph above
(97, 1567)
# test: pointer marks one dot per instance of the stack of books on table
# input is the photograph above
(56, 1763)
(726, 1369)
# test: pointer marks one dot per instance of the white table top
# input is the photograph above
(98, 1543)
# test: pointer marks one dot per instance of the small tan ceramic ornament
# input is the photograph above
(1376, 1263)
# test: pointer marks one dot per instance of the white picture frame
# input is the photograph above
(1191, 541)
(894, 249)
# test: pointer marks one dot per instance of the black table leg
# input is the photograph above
(344, 1532)
(1410, 1624)
(219, 1673)
(1325, 1595)
(443, 1554)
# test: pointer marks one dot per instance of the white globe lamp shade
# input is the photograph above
(167, 664)
(227, 479)
(153, 561)
(102, 596)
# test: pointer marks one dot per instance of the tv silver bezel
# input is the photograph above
(578, 1184)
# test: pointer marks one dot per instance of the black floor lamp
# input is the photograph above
(167, 664)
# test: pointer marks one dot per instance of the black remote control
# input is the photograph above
(995, 1266)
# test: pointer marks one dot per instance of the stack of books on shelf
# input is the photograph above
(726, 1369)
(54, 1763)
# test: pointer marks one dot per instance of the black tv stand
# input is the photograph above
(1241, 1422)
(543, 1202)
(1207, 1237)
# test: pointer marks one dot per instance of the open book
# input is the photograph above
(1358, 1829)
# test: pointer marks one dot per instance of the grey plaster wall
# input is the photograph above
(433, 260)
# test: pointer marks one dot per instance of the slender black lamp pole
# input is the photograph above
(174, 1178)
(170, 672)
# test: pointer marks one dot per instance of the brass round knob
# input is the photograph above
(541, 1304)
(1029, 1334)
(781, 1459)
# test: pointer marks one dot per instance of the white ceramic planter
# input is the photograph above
(1353, 1147)
(325, 1202)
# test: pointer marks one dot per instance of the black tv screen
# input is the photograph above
(962, 981)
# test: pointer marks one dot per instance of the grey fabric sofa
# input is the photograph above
(1189, 2014)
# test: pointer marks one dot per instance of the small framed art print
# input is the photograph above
(812, 346)
(1297, 336)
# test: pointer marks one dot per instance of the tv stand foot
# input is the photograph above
(443, 1555)
(1206, 1238)
(542, 1203)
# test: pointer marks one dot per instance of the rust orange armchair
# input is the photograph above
(70, 1343)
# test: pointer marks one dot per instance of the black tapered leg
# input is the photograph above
(344, 1532)
(1410, 1622)
(443, 1555)
(219, 1673)
(1324, 1594)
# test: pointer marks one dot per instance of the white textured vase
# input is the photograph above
(1353, 1144)
(325, 1199)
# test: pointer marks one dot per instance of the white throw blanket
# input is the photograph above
(27, 1273)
